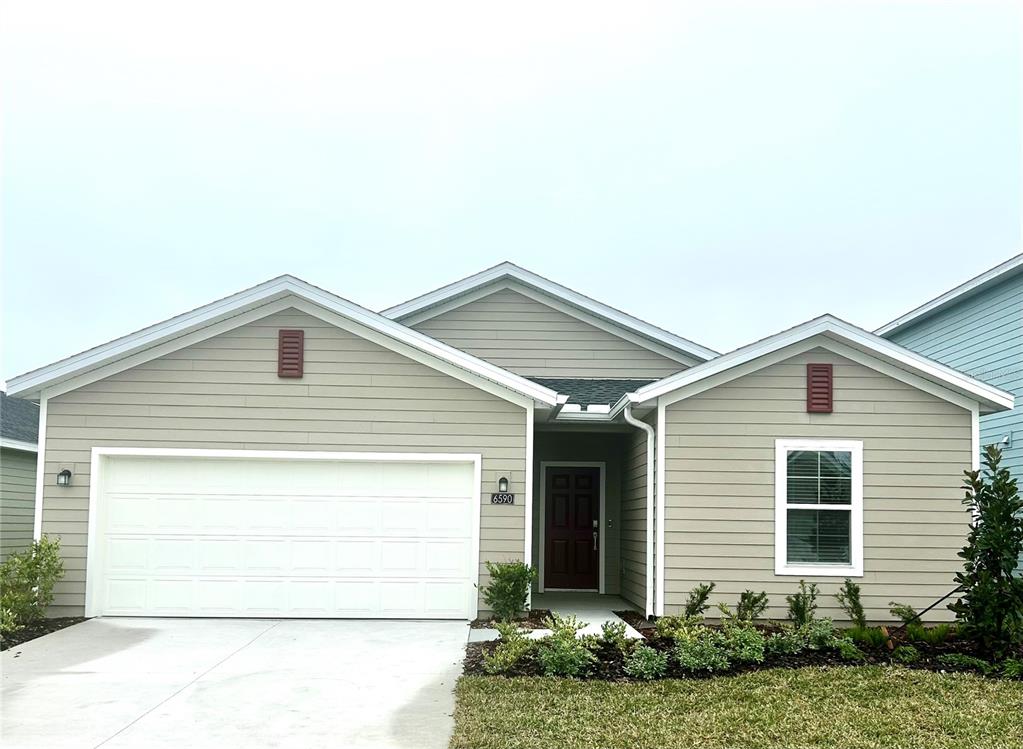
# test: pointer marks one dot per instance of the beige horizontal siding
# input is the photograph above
(224, 393)
(17, 500)
(634, 512)
(719, 454)
(519, 333)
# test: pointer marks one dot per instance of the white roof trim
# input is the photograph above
(990, 398)
(506, 271)
(9, 444)
(77, 367)
(950, 297)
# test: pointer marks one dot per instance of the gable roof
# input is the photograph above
(961, 292)
(252, 304)
(19, 423)
(845, 339)
(492, 279)
(587, 392)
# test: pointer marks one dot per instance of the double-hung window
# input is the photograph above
(818, 507)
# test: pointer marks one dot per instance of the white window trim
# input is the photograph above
(781, 565)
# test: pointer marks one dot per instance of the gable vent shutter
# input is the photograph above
(819, 388)
(290, 353)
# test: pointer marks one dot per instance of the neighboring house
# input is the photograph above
(285, 452)
(977, 327)
(19, 428)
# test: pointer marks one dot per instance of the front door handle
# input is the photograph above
(594, 540)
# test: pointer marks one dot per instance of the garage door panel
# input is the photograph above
(205, 537)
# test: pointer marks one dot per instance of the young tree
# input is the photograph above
(991, 607)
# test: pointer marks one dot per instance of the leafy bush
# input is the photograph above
(562, 653)
(676, 627)
(704, 650)
(847, 649)
(903, 612)
(646, 663)
(786, 642)
(744, 644)
(508, 588)
(871, 637)
(26, 584)
(751, 605)
(905, 654)
(990, 610)
(935, 635)
(612, 634)
(803, 605)
(513, 647)
(961, 662)
(696, 602)
(1012, 668)
(819, 634)
(849, 600)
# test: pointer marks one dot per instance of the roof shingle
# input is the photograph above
(19, 419)
(589, 392)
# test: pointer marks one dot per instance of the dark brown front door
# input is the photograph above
(572, 517)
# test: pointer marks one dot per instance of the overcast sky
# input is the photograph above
(721, 169)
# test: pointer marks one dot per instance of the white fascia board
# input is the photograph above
(21, 445)
(951, 297)
(990, 398)
(211, 319)
(506, 270)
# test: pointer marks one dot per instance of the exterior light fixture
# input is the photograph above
(502, 485)
(64, 478)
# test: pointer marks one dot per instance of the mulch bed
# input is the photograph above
(611, 663)
(532, 620)
(38, 629)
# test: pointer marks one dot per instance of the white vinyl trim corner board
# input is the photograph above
(781, 565)
(527, 530)
(37, 526)
(660, 500)
(602, 560)
(431, 568)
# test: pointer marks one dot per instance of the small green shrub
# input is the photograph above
(508, 588)
(1012, 668)
(961, 662)
(676, 627)
(612, 634)
(562, 653)
(849, 600)
(847, 649)
(751, 605)
(786, 642)
(696, 602)
(26, 583)
(512, 648)
(870, 637)
(744, 644)
(704, 650)
(935, 635)
(819, 634)
(803, 604)
(902, 611)
(905, 654)
(646, 663)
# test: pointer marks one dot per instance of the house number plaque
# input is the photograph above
(502, 498)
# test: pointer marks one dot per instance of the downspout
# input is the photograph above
(627, 413)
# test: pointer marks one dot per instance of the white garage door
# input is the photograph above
(179, 536)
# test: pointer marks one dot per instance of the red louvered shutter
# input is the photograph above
(290, 353)
(819, 388)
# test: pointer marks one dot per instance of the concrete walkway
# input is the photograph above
(120, 683)
(592, 608)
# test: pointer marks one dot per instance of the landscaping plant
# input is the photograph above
(676, 627)
(26, 584)
(646, 663)
(903, 612)
(905, 654)
(562, 653)
(751, 605)
(612, 634)
(935, 635)
(849, 600)
(990, 610)
(696, 602)
(962, 662)
(508, 588)
(510, 651)
(803, 605)
(703, 650)
(1012, 668)
(744, 643)
(871, 637)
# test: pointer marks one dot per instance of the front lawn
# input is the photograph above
(848, 707)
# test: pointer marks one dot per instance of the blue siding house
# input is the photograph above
(977, 327)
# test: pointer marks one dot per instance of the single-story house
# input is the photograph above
(19, 428)
(285, 452)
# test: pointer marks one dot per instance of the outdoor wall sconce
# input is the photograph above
(64, 478)
(502, 485)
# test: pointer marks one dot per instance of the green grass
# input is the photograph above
(851, 708)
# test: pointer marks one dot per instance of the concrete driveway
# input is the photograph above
(233, 682)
